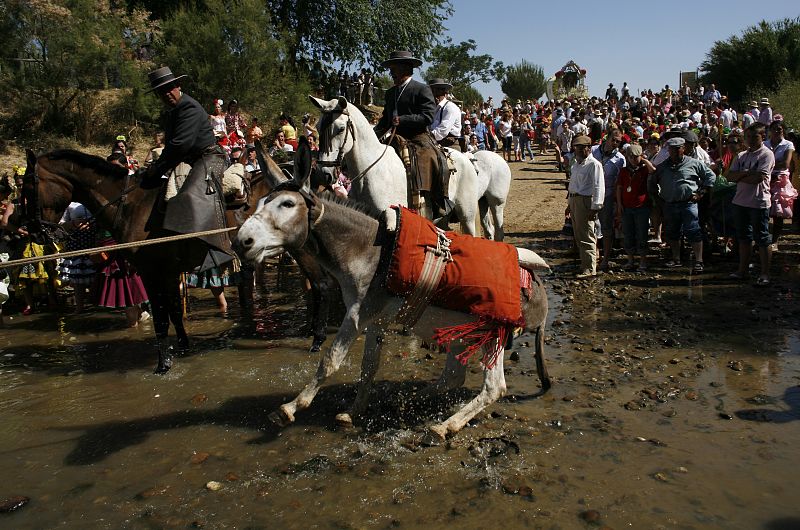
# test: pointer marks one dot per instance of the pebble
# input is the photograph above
(725, 416)
(199, 458)
(590, 516)
(11, 504)
(514, 356)
(199, 399)
(213, 485)
(691, 395)
(661, 477)
(736, 366)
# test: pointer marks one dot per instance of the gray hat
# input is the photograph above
(161, 77)
(438, 81)
(633, 150)
(675, 142)
(691, 137)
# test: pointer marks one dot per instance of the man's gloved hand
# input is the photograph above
(148, 179)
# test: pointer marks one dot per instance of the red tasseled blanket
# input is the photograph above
(483, 279)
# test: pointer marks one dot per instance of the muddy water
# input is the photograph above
(675, 405)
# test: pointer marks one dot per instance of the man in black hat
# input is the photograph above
(446, 126)
(409, 109)
(189, 138)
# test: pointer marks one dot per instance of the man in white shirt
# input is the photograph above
(751, 116)
(586, 195)
(765, 113)
(446, 126)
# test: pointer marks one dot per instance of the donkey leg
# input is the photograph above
(369, 367)
(329, 364)
(494, 387)
(452, 376)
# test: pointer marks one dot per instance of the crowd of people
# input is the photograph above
(667, 167)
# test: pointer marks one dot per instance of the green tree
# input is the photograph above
(361, 32)
(457, 64)
(469, 96)
(786, 101)
(228, 50)
(523, 80)
(760, 59)
(59, 56)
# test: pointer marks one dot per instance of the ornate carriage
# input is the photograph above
(570, 81)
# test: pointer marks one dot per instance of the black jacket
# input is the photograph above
(415, 107)
(187, 134)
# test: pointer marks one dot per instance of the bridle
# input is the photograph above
(350, 131)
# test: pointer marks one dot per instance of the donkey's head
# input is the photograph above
(282, 223)
(336, 132)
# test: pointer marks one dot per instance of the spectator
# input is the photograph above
(683, 181)
(633, 205)
(289, 131)
(217, 119)
(586, 193)
(751, 171)
(781, 190)
(612, 161)
(254, 132)
(765, 112)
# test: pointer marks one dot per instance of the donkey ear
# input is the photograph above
(270, 170)
(342, 103)
(302, 162)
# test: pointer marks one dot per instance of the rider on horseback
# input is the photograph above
(198, 205)
(410, 109)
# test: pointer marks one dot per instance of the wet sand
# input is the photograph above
(675, 404)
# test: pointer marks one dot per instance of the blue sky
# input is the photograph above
(646, 44)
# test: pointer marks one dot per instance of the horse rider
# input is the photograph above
(446, 126)
(199, 204)
(410, 109)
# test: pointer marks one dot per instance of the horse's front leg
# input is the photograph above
(158, 301)
(329, 364)
(175, 309)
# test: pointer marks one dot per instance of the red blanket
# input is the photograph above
(483, 279)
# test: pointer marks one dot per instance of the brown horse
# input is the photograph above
(57, 178)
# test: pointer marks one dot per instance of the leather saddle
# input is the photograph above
(427, 171)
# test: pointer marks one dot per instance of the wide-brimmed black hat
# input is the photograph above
(401, 56)
(438, 81)
(161, 77)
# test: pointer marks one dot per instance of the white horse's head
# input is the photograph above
(336, 132)
(281, 223)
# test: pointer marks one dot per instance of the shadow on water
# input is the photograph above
(792, 399)
(784, 523)
(395, 405)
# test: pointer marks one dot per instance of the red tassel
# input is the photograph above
(492, 340)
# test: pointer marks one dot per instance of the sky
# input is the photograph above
(644, 43)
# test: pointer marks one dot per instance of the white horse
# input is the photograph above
(379, 176)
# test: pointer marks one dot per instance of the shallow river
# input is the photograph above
(664, 413)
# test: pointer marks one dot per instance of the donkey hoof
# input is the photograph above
(344, 420)
(431, 439)
(281, 418)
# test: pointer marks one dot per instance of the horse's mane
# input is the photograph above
(95, 163)
(351, 204)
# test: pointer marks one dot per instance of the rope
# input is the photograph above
(111, 248)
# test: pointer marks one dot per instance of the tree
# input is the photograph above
(246, 62)
(455, 63)
(523, 81)
(760, 59)
(469, 96)
(58, 56)
(361, 32)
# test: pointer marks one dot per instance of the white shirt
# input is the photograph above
(701, 155)
(727, 118)
(586, 178)
(446, 121)
(765, 115)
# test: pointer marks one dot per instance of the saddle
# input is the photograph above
(235, 184)
(428, 171)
